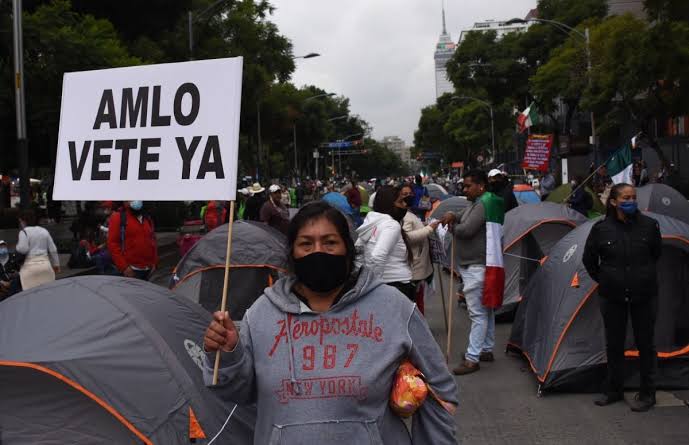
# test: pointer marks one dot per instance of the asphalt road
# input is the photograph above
(499, 403)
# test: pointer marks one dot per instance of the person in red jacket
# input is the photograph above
(215, 215)
(132, 241)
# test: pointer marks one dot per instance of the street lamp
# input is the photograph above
(294, 126)
(22, 146)
(492, 120)
(258, 111)
(308, 56)
(586, 36)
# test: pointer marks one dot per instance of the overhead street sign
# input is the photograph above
(342, 144)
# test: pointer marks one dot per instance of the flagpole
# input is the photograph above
(589, 176)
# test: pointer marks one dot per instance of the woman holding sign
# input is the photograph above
(319, 351)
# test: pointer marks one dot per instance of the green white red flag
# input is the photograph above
(527, 118)
(494, 285)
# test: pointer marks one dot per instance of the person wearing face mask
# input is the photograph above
(318, 352)
(418, 234)
(621, 254)
(499, 184)
(42, 261)
(384, 246)
(273, 212)
(132, 242)
(8, 270)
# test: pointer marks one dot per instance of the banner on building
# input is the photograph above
(537, 153)
(166, 132)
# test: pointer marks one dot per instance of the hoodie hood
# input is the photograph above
(281, 295)
(373, 219)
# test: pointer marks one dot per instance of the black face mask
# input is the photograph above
(398, 213)
(409, 200)
(321, 272)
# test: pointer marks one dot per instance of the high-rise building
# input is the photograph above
(443, 53)
(619, 7)
(396, 145)
(500, 27)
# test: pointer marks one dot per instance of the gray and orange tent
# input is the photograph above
(529, 232)
(108, 360)
(259, 255)
(559, 329)
(663, 199)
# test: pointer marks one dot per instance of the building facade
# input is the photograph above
(501, 28)
(444, 51)
(396, 145)
(618, 7)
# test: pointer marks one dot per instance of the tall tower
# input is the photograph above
(443, 53)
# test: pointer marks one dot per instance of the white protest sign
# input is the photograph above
(165, 132)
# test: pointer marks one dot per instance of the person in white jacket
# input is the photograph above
(42, 261)
(382, 245)
(418, 235)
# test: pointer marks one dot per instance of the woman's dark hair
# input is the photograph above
(385, 203)
(419, 180)
(28, 216)
(321, 210)
(615, 192)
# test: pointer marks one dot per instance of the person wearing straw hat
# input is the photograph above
(252, 210)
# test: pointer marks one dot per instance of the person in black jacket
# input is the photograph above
(621, 254)
(501, 186)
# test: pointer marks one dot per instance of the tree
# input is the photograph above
(56, 40)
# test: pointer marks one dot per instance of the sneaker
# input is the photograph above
(643, 402)
(467, 367)
(609, 399)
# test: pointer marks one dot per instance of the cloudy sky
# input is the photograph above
(379, 53)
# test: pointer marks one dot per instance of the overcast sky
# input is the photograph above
(379, 53)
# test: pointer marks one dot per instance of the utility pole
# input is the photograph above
(22, 146)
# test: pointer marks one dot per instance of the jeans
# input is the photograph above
(482, 334)
(643, 317)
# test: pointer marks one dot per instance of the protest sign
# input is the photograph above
(166, 132)
(537, 153)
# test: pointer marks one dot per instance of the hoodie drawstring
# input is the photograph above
(293, 371)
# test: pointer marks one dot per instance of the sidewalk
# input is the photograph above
(62, 236)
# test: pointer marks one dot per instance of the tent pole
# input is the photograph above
(226, 285)
(442, 294)
(449, 299)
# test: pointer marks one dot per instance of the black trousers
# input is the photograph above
(408, 289)
(643, 315)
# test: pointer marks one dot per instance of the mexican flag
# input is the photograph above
(494, 285)
(527, 118)
(620, 166)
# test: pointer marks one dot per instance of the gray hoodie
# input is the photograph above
(326, 378)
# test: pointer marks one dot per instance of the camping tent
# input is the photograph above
(525, 194)
(437, 191)
(529, 232)
(259, 253)
(108, 360)
(663, 199)
(455, 204)
(560, 194)
(558, 326)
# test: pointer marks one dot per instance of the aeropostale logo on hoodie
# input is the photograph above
(321, 344)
